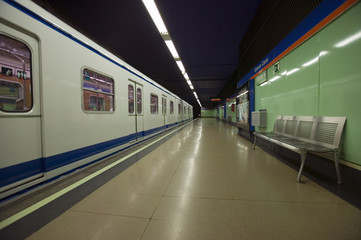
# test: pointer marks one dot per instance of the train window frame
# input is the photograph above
(139, 100)
(12, 75)
(154, 104)
(131, 104)
(100, 93)
(171, 107)
(164, 105)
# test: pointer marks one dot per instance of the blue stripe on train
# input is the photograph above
(21, 171)
(31, 168)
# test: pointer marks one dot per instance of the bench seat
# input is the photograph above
(303, 134)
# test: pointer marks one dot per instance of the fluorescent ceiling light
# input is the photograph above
(172, 49)
(348, 40)
(181, 66)
(157, 19)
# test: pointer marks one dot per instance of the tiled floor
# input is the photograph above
(207, 182)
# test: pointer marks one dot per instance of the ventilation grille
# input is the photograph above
(325, 132)
(305, 129)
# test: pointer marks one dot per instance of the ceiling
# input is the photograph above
(206, 33)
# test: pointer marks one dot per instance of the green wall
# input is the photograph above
(321, 78)
(208, 113)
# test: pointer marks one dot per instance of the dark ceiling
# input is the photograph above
(206, 33)
(219, 41)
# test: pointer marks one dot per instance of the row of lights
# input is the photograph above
(157, 19)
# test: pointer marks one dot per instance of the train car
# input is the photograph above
(66, 102)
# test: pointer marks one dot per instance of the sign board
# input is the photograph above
(261, 78)
(276, 67)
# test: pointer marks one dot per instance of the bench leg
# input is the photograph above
(303, 160)
(336, 155)
(254, 142)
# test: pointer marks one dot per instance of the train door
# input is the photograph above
(135, 108)
(20, 116)
(181, 112)
(164, 109)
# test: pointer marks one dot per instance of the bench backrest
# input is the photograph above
(323, 131)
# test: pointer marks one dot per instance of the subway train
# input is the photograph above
(66, 102)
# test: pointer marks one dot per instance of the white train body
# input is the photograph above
(68, 120)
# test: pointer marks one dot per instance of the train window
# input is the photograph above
(98, 92)
(153, 104)
(15, 76)
(139, 101)
(184, 110)
(179, 109)
(164, 105)
(171, 106)
(130, 99)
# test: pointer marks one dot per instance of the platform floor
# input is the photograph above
(204, 182)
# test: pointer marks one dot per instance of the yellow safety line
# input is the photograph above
(36, 206)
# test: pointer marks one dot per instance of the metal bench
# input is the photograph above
(305, 134)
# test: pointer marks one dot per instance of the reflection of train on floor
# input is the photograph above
(66, 102)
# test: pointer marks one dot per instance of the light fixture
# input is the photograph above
(158, 21)
(172, 49)
(181, 67)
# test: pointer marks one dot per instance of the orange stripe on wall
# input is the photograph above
(310, 33)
